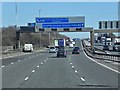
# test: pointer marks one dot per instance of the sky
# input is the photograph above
(27, 11)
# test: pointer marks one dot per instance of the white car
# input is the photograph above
(52, 50)
(28, 47)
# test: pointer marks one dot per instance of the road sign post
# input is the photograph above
(92, 40)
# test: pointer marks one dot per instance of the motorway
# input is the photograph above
(100, 46)
(45, 70)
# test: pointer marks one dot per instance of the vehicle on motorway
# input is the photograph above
(108, 41)
(73, 42)
(67, 43)
(116, 47)
(116, 44)
(59, 42)
(61, 52)
(105, 47)
(52, 50)
(76, 50)
(71, 45)
(57, 48)
(27, 48)
(56, 43)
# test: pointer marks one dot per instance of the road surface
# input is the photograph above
(45, 70)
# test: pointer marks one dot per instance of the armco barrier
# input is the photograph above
(101, 56)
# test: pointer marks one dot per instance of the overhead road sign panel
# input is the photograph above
(64, 25)
(51, 20)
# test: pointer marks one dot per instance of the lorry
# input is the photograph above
(59, 42)
(56, 42)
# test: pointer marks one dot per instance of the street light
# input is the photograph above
(40, 32)
(17, 33)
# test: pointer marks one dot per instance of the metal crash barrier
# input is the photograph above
(101, 56)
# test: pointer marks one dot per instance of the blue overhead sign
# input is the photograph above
(51, 20)
(63, 25)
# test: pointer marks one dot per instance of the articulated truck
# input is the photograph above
(59, 42)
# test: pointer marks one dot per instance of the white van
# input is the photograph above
(71, 45)
(28, 47)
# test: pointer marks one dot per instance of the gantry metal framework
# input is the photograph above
(92, 31)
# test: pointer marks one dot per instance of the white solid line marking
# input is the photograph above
(82, 79)
(12, 62)
(3, 66)
(41, 62)
(101, 64)
(70, 63)
(33, 70)
(38, 66)
(108, 61)
(26, 78)
(115, 63)
(76, 71)
(72, 66)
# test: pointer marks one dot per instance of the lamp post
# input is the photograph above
(17, 33)
(40, 32)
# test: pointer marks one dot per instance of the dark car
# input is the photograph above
(76, 50)
(116, 47)
(105, 47)
(61, 52)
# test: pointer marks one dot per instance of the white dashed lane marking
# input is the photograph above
(26, 78)
(82, 78)
(33, 70)
(45, 61)
(76, 71)
(3, 66)
(72, 66)
(19, 60)
(12, 62)
(38, 66)
(41, 62)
